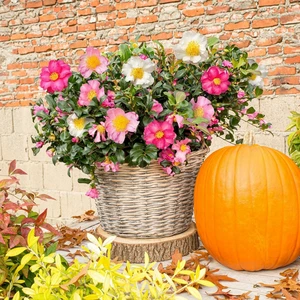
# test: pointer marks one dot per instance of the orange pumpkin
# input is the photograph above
(247, 207)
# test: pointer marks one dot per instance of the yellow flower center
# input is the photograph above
(120, 123)
(198, 112)
(183, 148)
(93, 62)
(159, 134)
(107, 160)
(51, 137)
(91, 94)
(137, 73)
(217, 81)
(253, 77)
(53, 76)
(100, 128)
(79, 123)
(192, 49)
(134, 45)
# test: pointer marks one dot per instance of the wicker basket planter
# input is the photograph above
(145, 202)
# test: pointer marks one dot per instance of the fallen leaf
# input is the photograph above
(87, 216)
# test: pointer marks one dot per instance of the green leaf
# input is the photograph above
(84, 180)
(125, 53)
(258, 91)
(211, 41)
(51, 249)
(15, 251)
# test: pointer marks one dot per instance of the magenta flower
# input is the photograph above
(39, 144)
(167, 154)
(215, 81)
(241, 94)
(91, 62)
(175, 118)
(182, 149)
(110, 100)
(99, 130)
(88, 91)
(93, 193)
(159, 134)
(54, 78)
(143, 56)
(50, 152)
(202, 108)
(75, 140)
(38, 108)
(118, 124)
(157, 107)
(227, 63)
(108, 165)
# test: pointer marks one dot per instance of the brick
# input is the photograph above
(56, 178)
(125, 5)
(291, 50)
(78, 44)
(122, 15)
(270, 2)
(19, 73)
(290, 19)
(27, 81)
(97, 43)
(15, 22)
(292, 60)
(18, 36)
(257, 52)
(147, 19)
(65, 14)
(44, 48)
(33, 35)
(238, 25)
(218, 9)
(104, 8)
(24, 96)
(49, 2)
(242, 44)
(4, 38)
(34, 177)
(144, 38)
(211, 29)
(47, 18)
(265, 23)
(146, 3)
(293, 80)
(14, 146)
(14, 66)
(283, 71)
(69, 29)
(94, 3)
(168, 1)
(30, 20)
(26, 50)
(6, 121)
(22, 121)
(52, 32)
(284, 91)
(269, 41)
(193, 12)
(12, 81)
(35, 4)
(86, 27)
(162, 36)
(125, 22)
(84, 12)
(275, 49)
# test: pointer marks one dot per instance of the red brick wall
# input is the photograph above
(35, 31)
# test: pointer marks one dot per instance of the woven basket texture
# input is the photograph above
(146, 202)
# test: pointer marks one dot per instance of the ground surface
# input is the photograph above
(246, 281)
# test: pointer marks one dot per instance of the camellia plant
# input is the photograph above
(294, 137)
(143, 103)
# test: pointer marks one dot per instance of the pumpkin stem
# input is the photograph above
(249, 138)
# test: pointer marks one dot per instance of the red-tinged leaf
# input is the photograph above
(28, 221)
(16, 240)
(4, 220)
(51, 229)
(10, 230)
(2, 197)
(176, 257)
(12, 167)
(5, 183)
(11, 205)
(45, 197)
(41, 218)
(24, 232)
(18, 172)
(39, 232)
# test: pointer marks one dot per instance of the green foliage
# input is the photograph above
(294, 138)
(98, 277)
(17, 218)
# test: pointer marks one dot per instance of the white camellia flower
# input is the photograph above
(138, 71)
(76, 125)
(192, 47)
(257, 78)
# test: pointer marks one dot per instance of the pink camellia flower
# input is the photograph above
(227, 63)
(91, 62)
(50, 152)
(99, 130)
(167, 154)
(108, 165)
(202, 108)
(39, 144)
(54, 78)
(241, 94)
(118, 124)
(75, 140)
(110, 100)
(157, 107)
(93, 193)
(143, 56)
(175, 118)
(88, 91)
(38, 108)
(159, 134)
(182, 149)
(215, 81)
(252, 116)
